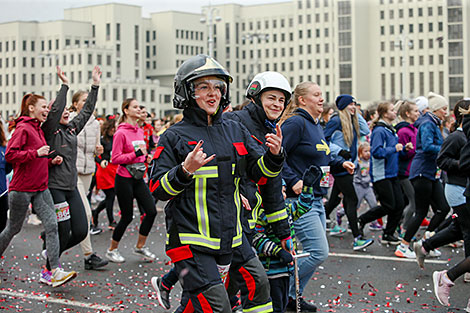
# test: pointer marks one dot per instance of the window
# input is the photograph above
(136, 37)
(24, 45)
(108, 31)
(410, 12)
(90, 59)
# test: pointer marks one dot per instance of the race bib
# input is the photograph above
(438, 173)
(62, 211)
(137, 143)
(325, 177)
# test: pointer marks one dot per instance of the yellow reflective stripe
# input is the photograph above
(237, 241)
(265, 170)
(277, 216)
(207, 172)
(200, 240)
(251, 223)
(260, 200)
(268, 307)
(167, 239)
(201, 206)
(236, 198)
(168, 188)
(233, 168)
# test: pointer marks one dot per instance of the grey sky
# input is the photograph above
(45, 10)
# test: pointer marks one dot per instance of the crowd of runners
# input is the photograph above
(245, 187)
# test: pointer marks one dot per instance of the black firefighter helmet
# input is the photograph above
(193, 68)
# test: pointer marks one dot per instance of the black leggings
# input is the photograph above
(458, 229)
(107, 204)
(74, 230)
(427, 192)
(3, 211)
(390, 195)
(128, 189)
(460, 269)
(344, 184)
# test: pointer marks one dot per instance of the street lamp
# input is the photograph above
(209, 20)
(255, 38)
(404, 43)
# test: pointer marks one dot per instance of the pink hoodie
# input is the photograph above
(126, 142)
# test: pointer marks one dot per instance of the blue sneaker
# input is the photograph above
(375, 226)
(337, 231)
(361, 243)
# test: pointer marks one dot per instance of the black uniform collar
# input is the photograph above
(198, 116)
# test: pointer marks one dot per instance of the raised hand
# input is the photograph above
(274, 141)
(62, 76)
(96, 75)
(197, 158)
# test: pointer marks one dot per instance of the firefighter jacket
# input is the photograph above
(255, 120)
(204, 210)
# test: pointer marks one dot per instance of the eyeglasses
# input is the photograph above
(212, 86)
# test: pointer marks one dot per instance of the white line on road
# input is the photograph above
(42, 297)
(383, 258)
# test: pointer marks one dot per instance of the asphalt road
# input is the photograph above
(366, 281)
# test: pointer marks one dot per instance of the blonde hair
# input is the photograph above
(300, 90)
(382, 108)
(361, 148)
(404, 107)
(349, 121)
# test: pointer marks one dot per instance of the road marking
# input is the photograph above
(383, 258)
(42, 297)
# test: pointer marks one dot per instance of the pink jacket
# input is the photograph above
(126, 142)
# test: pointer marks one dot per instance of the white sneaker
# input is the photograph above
(60, 277)
(405, 252)
(145, 253)
(468, 306)
(114, 256)
(34, 220)
(435, 253)
(466, 278)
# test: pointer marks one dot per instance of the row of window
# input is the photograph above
(431, 42)
(189, 34)
(449, 2)
(411, 61)
(189, 50)
(66, 60)
(401, 12)
(411, 28)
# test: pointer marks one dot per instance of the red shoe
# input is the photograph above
(425, 223)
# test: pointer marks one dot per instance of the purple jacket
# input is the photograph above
(406, 133)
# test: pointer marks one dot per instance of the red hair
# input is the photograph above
(29, 99)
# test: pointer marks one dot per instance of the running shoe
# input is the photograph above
(435, 253)
(95, 230)
(375, 226)
(304, 306)
(163, 293)
(337, 231)
(457, 244)
(389, 240)
(466, 278)
(145, 253)
(420, 253)
(34, 220)
(46, 277)
(94, 262)
(361, 243)
(112, 225)
(468, 306)
(404, 252)
(60, 277)
(114, 256)
(428, 234)
(441, 287)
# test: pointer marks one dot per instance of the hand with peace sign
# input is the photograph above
(196, 159)
(274, 141)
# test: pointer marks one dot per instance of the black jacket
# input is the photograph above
(204, 211)
(465, 154)
(449, 155)
(63, 139)
(254, 119)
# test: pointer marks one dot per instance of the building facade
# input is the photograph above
(375, 50)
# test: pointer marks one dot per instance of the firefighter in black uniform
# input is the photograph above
(197, 166)
(269, 94)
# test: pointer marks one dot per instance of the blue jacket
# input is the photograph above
(305, 144)
(384, 156)
(5, 168)
(335, 138)
(428, 144)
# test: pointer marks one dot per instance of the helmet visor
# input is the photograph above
(208, 86)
